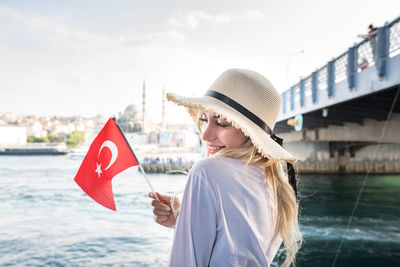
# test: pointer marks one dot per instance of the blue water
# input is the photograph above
(46, 219)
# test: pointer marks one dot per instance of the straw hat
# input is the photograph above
(247, 100)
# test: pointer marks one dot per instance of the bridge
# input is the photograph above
(344, 107)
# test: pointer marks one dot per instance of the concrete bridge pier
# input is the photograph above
(348, 148)
(346, 157)
(342, 160)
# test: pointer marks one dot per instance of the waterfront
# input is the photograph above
(48, 220)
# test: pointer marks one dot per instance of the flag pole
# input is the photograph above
(140, 166)
(148, 182)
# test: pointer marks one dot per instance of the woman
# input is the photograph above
(237, 206)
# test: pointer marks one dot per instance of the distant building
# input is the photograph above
(183, 138)
(153, 137)
(137, 138)
(10, 135)
(35, 128)
(129, 120)
(61, 129)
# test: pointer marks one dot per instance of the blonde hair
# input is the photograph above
(285, 219)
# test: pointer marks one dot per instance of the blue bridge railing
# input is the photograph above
(374, 51)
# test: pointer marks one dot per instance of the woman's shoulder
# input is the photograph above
(211, 170)
(224, 169)
(215, 165)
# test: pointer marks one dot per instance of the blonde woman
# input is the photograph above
(238, 205)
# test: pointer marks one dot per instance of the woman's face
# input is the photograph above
(217, 133)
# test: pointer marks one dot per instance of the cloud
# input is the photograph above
(56, 32)
(195, 18)
(52, 31)
(44, 56)
(172, 35)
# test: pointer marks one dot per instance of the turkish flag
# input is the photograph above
(108, 155)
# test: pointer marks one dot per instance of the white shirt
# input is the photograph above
(225, 217)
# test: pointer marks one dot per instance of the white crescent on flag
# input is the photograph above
(114, 152)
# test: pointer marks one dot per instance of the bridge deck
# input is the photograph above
(358, 84)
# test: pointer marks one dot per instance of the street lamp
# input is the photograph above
(288, 64)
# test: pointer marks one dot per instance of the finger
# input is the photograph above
(161, 212)
(156, 196)
(151, 194)
(158, 205)
(160, 219)
(163, 198)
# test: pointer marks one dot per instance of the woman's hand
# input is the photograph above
(162, 209)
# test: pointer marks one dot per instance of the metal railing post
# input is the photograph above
(301, 84)
(382, 50)
(330, 77)
(292, 98)
(283, 96)
(314, 86)
(351, 67)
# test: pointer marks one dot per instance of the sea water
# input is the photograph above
(47, 220)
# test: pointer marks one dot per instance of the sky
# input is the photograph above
(89, 57)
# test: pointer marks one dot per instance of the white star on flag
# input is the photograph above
(98, 169)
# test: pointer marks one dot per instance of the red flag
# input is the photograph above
(108, 155)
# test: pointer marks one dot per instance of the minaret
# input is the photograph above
(144, 106)
(163, 109)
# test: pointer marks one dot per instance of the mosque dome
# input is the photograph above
(131, 110)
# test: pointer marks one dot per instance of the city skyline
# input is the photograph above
(86, 58)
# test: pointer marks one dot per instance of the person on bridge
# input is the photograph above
(371, 36)
(238, 205)
(371, 30)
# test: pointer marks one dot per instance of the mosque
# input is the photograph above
(134, 120)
